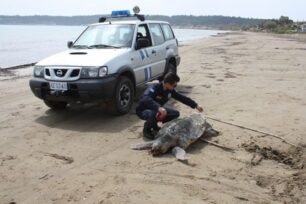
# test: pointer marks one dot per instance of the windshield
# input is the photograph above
(106, 36)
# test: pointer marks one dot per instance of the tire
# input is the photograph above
(123, 97)
(56, 105)
(170, 68)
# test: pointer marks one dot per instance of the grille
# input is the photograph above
(47, 72)
(60, 72)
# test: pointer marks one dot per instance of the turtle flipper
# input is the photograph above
(142, 146)
(179, 153)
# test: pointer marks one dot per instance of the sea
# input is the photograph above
(24, 44)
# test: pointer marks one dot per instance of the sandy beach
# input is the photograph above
(82, 155)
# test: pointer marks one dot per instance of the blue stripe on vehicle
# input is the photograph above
(141, 54)
(146, 74)
(146, 53)
(150, 71)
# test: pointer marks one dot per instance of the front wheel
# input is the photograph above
(123, 97)
(56, 105)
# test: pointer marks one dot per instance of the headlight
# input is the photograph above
(38, 71)
(93, 72)
(103, 71)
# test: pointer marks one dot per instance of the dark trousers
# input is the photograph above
(150, 117)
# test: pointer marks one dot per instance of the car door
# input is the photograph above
(158, 52)
(140, 58)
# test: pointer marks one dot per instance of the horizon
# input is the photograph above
(144, 14)
(258, 9)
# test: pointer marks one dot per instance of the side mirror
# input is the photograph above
(69, 44)
(141, 43)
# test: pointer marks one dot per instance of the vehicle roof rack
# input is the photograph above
(121, 14)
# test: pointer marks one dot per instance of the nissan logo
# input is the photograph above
(59, 73)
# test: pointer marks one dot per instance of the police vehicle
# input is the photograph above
(107, 61)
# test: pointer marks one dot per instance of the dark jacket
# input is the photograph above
(155, 96)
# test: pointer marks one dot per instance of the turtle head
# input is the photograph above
(210, 131)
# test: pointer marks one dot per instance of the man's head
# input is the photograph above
(170, 81)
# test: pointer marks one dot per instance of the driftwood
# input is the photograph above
(20, 66)
(66, 159)
(246, 128)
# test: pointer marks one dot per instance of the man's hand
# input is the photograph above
(199, 108)
(162, 111)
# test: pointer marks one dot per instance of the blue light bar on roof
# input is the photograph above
(123, 13)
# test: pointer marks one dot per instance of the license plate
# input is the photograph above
(59, 86)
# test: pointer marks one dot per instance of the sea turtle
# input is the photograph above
(177, 135)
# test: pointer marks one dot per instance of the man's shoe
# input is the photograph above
(155, 132)
(156, 128)
(147, 133)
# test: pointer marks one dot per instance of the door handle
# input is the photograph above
(153, 52)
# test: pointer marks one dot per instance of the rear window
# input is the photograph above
(168, 32)
(157, 34)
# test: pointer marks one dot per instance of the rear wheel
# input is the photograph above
(170, 68)
(123, 97)
(56, 105)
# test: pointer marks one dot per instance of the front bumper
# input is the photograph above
(84, 90)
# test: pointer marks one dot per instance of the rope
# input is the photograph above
(253, 130)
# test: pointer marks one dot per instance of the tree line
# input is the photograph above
(186, 21)
(282, 25)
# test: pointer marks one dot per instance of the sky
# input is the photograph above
(294, 9)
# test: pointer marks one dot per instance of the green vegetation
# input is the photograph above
(281, 26)
(210, 22)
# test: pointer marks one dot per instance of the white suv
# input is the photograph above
(107, 61)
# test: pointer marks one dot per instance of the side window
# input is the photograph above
(157, 34)
(168, 32)
(143, 32)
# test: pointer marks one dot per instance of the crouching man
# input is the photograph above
(153, 100)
